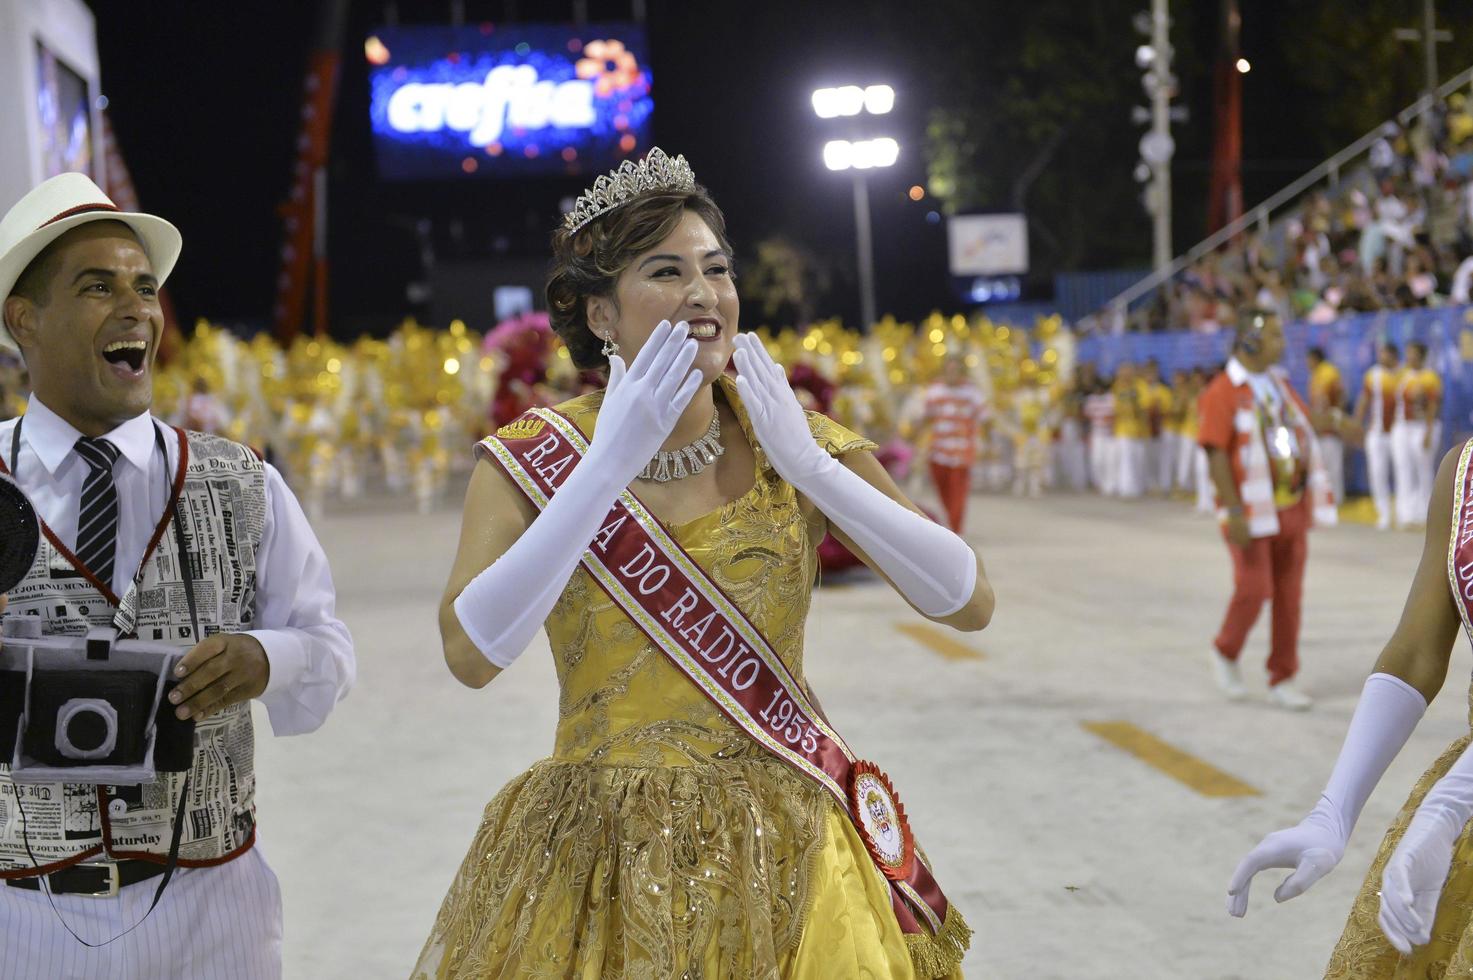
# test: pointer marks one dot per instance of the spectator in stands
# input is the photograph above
(1462, 278)
(1421, 283)
(1383, 158)
(1272, 295)
(1363, 247)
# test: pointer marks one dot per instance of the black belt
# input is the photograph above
(97, 880)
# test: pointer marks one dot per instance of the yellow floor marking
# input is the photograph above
(939, 642)
(1200, 776)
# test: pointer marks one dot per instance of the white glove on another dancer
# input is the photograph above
(1412, 882)
(1388, 711)
(932, 567)
(503, 607)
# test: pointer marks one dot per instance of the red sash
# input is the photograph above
(1460, 543)
(708, 638)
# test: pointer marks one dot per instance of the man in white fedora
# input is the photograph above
(168, 537)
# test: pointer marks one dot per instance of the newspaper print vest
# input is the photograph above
(223, 507)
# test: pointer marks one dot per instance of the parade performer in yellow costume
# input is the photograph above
(1132, 432)
(1413, 918)
(1156, 403)
(1416, 435)
(1327, 410)
(1191, 465)
(698, 816)
(1030, 422)
(1375, 414)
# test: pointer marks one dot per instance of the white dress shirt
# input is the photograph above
(309, 649)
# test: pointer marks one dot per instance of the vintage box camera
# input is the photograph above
(89, 710)
(79, 709)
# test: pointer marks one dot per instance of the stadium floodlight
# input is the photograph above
(860, 154)
(879, 99)
(847, 100)
(838, 154)
(851, 100)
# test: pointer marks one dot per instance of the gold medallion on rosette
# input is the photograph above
(881, 820)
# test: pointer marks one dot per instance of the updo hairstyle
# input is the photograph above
(587, 262)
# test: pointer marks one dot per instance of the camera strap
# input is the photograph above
(184, 563)
(172, 862)
(170, 865)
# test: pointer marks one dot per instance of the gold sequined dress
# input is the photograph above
(659, 841)
(1364, 952)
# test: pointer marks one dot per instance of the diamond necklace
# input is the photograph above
(689, 459)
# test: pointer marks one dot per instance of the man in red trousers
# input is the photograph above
(1271, 488)
(955, 412)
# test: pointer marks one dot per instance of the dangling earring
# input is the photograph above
(610, 348)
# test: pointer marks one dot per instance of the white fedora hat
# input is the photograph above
(59, 205)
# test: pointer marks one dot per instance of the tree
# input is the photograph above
(1329, 53)
(1031, 113)
(784, 282)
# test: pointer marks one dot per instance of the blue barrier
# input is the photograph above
(1078, 294)
(1017, 313)
(1349, 342)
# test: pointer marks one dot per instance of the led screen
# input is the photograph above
(63, 111)
(514, 100)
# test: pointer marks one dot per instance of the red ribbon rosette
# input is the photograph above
(880, 819)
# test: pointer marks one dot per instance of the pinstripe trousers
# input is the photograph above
(221, 923)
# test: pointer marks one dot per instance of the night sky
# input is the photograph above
(205, 99)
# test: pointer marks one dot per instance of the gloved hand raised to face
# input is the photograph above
(643, 402)
(777, 418)
(932, 567)
(502, 608)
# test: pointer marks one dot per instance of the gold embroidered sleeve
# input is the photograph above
(835, 439)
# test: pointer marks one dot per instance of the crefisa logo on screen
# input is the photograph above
(503, 101)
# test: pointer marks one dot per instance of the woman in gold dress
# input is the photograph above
(661, 839)
(1413, 917)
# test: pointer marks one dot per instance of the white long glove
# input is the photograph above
(1412, 882)
(1388, 711)
(932, 567)
(503, 607)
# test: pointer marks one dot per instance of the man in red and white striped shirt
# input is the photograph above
(955, 412)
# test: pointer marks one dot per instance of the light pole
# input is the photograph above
(859, 156)
(1157, 147)
(1429, 35)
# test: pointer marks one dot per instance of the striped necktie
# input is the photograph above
(97, 525)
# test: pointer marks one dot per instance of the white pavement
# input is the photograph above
(1070, 857)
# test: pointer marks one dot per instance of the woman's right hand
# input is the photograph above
(643, 402)
(1311, 847)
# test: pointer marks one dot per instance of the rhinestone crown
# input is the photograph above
(656, 172)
